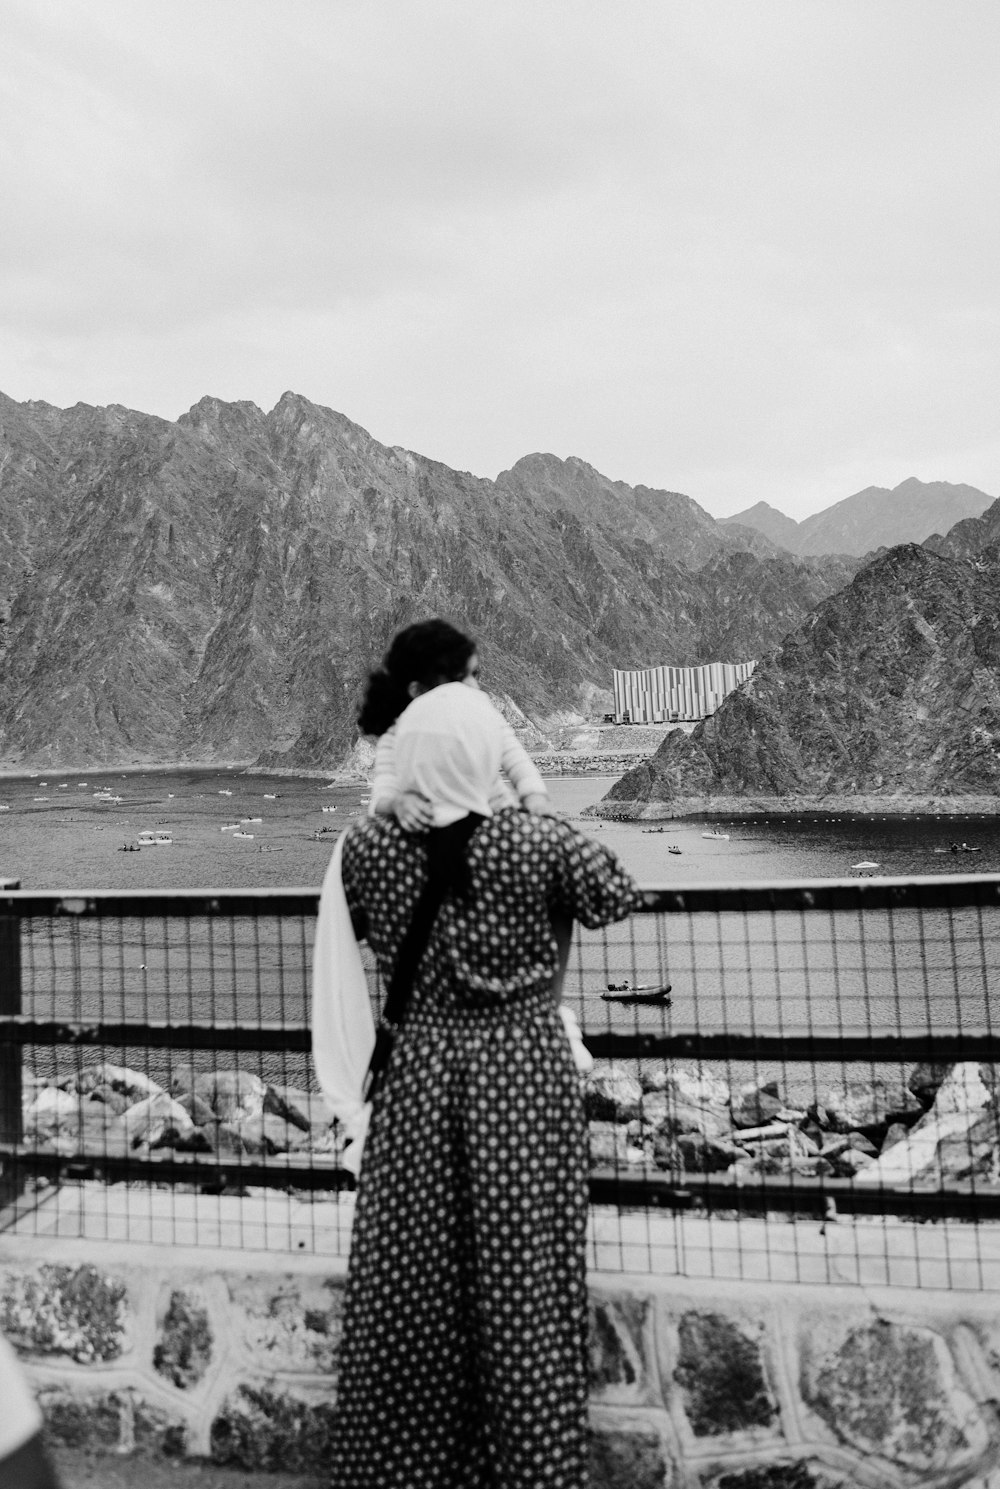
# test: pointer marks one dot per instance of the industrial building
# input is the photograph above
(658, 695)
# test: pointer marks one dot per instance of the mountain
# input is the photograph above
(969, 538)
(870, 519)
(216, 588)
(890, 690)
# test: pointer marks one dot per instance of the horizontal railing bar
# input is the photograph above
(939, 1048)
(155, 1034)
(828, 1197)
(227, 1034)
(927, 892)
(162, 903)
(285, 1172)
(931, 891)
(645, 1189)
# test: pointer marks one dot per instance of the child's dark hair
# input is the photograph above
(430, 652)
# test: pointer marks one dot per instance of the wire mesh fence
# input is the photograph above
(793, 1081)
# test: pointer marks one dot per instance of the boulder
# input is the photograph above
(233, 1095)
(611, 1094)
(148, 1121)
(610, 1147)
(131, 1084)
(757, 1103)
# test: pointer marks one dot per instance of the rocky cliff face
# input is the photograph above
(891, 688)
(216, 588)
(874, 518)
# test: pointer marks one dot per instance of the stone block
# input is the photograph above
(630, 1455)
(619, 1369)
(267, 1428)
(890, 1390)
(721, 1373)
(75, 1312)
(183, 1349)
(798, 1475)
(110, 1422)
(289, 1323)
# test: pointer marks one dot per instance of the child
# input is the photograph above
(422, 657)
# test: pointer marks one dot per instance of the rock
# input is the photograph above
(149, 1120)
(961, 1090)
(131, 1084)
(757, 1103)
(233, 1095)
(703, 1155)
(663, 1111)
(924, 1081)
(610, 1148)
(612, 1095)
(897, 1133)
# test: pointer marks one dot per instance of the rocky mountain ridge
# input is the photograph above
(870, 519)
(215, 588)
(889, 691)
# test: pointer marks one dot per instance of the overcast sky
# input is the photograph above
(745, 249)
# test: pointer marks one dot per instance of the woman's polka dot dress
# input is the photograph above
(463, 1355)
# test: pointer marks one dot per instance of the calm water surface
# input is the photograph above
(70, 840)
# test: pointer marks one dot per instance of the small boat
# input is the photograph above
(154, 839)
(4, 807)
(267, 848)
(246, 820)
(643, 992)
(230, 827)
(39, 798)
(722, 836)
(865, 864)
(130, 848)
(673, 848)
(225, 793)
(270, 796)
(242, 834)
(654, 829)
(328, 809)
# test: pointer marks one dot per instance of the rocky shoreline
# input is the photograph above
(936, 1122)
(733, 807)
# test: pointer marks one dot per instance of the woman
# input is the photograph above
(463, 1359)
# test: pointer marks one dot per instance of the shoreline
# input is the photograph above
(749, 808)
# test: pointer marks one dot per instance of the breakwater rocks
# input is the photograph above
(112, 1109)
(734, 807)
(939, 1122)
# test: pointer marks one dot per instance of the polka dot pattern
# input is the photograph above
(463, 1357)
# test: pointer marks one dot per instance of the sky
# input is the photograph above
(744, 249)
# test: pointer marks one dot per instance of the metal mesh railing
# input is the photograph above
(815, 1097)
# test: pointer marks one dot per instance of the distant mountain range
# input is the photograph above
(215, 588)
(870, 519)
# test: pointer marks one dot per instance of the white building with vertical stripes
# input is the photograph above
(657, 695)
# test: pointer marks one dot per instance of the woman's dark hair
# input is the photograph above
(430, 652)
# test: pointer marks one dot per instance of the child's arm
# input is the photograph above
(523, 773)
(411, 810)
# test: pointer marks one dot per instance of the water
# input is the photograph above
(71, 841)
(773, 973)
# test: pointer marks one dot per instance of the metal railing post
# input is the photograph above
(11, 1182)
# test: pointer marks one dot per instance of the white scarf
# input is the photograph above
(343, 1030)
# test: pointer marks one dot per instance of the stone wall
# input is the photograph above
(166, 1351)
